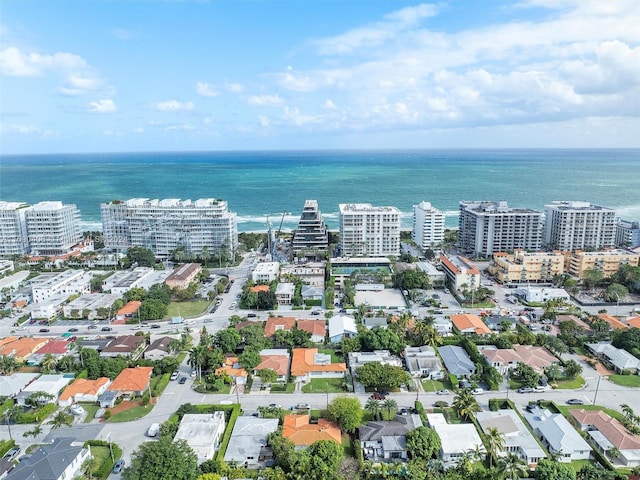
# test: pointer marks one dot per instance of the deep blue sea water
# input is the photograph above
(257, 184)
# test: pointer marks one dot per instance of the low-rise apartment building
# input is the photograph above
(183, 276)
(526, 267)
(461, 273)
(606, 262)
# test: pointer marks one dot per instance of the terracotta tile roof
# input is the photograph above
(609, 427)
(23, 347)
(83, 386)
(467, 321)
(229, 369)
(4, 341)
(55, 347)
(278, 363)
(314, 327)
(536, 357)
(132, 380)
(634, 322)
(260, 288)
(130, 308)
(613, 322)
(302, 363)
(285, 323)
(302, 433)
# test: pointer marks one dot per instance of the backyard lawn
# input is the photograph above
(625, 380)
(334, 358)
(186, 309)
(323, 385)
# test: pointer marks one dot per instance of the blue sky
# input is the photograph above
(163, 75)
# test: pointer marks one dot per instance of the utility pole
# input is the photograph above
(597, 387)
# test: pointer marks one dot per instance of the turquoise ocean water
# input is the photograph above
(257, 184)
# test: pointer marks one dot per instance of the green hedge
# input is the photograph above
(83, 374)
(235, 413)
(160, 384)
(6, 405)
(37, 416)
(453, 380)
(6, 445)
(105, 469)
(420, 410)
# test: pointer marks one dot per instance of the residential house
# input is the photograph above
(467, 323)
(248, 444)
(634, 322)
(617, 358)
(517, 438)
(265, 272)
(56, 348)
(586, 328)
(385, 441)
(159, 348)
(456, 440)
(22, 348)
(303, 434)
(61, 460)
(557, 435)
(183, 276)
(443, 326)
(606, 433)
(259, 288)
(457, 361)
(83, 390)
(317, 329)
(132, 381)
(496, 323)
(274, 324)
(232, 368)
(423, 362)
(202, 432)
(384, 357)
(504, 359)
(96, 343)
(374, 322)
(614, 323)
(311, 274)
(131, 346)
(276, 360)
(341, 326)
(308, 363)
(128, 310)
(50, 384)
(285, 292)
(12, 385)
(312, 293)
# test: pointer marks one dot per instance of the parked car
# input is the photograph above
(117, 468)
(275, 405)
(12, 454)
(477, 391)
(446, 290)
(525, 390)
(76, 410)
(444, 391)
(251, 315)
(303, 406)
(175, 375)
(193, 374)
(575, 401)
(183, 380)
(377, 396)
(154, 429)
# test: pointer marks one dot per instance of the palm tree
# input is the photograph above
(34, 432)
(512, 467)
(7, 364)
(11, 414)
(60, 419)
(427, 335)
(38, 398)
(197, 358)
(494, 442)
(373, 407)
(465, 404)
(628, 413)
(613, 453)
(390, 405)
(49, 363)
(90, 466)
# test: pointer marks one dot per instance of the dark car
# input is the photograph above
(74, 329)
(183, 380)
(575, 401)
(92, 327)
(117, 468)
(377, 396)
(106, 329)
(155, 325)
(44, 330)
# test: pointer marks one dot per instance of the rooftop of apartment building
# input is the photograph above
(459, 264)
(499, 207)
(365, 207)
(576, 205)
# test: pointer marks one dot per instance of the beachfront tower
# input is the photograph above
(368, 231)
(53, 228)
(490, 227)
(13, 229)
(574, 225)
(311, 238)
(203, 225)
(428, 226)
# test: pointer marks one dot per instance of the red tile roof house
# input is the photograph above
(606, 433)
(128, 311)
(303, 434)
(131, 381)
(505, 359)
(131, 346)
(468, 323)
(83, 390)
(317, 329)
(274, 324)
(277, 360)
(307, 363)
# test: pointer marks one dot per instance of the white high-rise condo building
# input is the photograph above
(489, 227)
(311, 237)
(369, 231)
(575, 225)
(428, 225)
(13, 229)
(166, 225)
(53, 228)
(627, 234)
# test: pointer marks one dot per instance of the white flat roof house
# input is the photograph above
(341, 326)
(248, 439)
(455, 439)
(358, 359)
(557, 434)
(423, 362)
(11, 385)
(265, 272)
(51, 384)
(202, 432)
(517, 438)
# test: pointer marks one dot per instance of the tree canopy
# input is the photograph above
(423, 442)
(550, 470)
(347, 411)
(162, 460)
(377, 375)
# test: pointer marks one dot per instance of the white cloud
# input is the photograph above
(234, 87)
(179, 127)
(111, 133)
(173, 106)
(295, 117)
(264, 121)
(15, 63)
(103, 106)
(329, 105)
(19, 128)
(138, 130)
(265, 100)
(206, 89)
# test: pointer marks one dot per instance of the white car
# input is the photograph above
(76, 410)
(477, 391)
(175, 375)
(193, 374)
